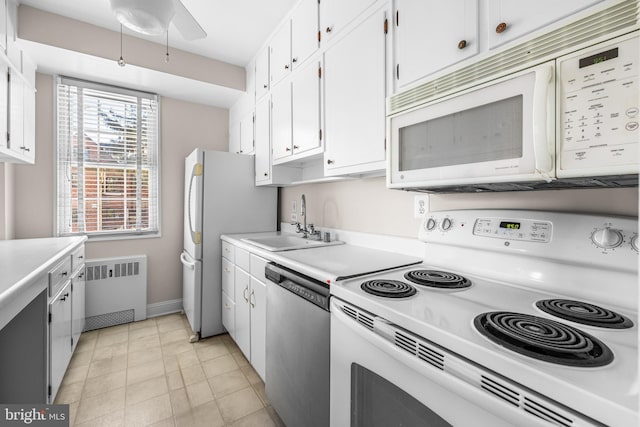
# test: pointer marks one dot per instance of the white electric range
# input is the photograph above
(533, 321)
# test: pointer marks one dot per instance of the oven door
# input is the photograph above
(501, 131)
(374, 383)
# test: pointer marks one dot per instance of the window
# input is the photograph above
(107, 160)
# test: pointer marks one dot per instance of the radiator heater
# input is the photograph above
(116, 291)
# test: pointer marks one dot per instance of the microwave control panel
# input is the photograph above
(514, 229)
(599, 111)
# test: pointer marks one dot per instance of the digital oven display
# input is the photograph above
(510, 225)
(598, 58)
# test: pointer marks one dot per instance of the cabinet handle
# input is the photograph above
(64, 274)
(287, 149)
(244, 294)
(329, 29)
(64, 297)
(264, 86)
(294, 60)
(295, 147)
(329, 162)
(253, 303)
(286, 67)
(501, 27)
(27, 149)
(462, 44)
(266, 174)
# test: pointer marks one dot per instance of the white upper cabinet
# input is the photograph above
(280, 61)
(262, 73)
(335, 15)
(281, 121)
(354, 102)
(432, 35)
(305, 98)
(304, 32)
(263, 141)
(510, 19)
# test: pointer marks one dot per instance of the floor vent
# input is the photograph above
(116, 291)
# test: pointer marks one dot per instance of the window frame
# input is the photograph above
(108, 235)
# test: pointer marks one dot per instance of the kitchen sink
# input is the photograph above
(288, 242)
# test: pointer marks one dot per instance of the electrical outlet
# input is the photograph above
(420, 206)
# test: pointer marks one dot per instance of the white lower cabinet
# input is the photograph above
(60, 346)
(244, 314)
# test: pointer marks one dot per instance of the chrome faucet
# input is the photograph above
(303, 212)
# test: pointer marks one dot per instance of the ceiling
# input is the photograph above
(235, 29)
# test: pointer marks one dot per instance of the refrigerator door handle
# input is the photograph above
(196, 236)
(183, 259)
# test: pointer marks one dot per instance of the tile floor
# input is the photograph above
(148, 374)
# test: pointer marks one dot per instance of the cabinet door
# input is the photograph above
(281, 120)
(304, 31)
(4, 107)
(228, 278)
(59, 337)
(16, 107)
(510, 19)
(262, 73)
(432, 35)
(243, 312)
(77, 306)
(258, 302)
(354, 105)
(336, 14)
(263, 141)
(306, 108)
(246, 134)
(280, 63)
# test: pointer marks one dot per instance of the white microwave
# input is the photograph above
(570, 121)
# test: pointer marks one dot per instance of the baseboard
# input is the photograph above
(164, 307)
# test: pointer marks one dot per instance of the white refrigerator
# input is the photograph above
(220, 198)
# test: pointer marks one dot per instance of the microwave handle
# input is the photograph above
(543, 114)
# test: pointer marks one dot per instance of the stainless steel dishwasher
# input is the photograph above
(297, 374)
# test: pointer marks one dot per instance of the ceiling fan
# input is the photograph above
(152, 17)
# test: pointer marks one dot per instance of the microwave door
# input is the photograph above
(495, 133)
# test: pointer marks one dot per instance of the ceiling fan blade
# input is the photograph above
(186, 23)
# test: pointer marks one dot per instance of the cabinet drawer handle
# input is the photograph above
(329, 29)
(252, 302)
(64, 274)
(64, 297)
(295, 147)
(294, 60)
(329, 162)
(287, 149)
(462, 44)
(286, 67)
(266, 174)
(27, 149)
(501, 27)
(264, 86)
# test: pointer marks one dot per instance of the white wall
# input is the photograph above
(184, 126)
(366, 205)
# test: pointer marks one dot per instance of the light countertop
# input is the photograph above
(326, 263)
(23, 264)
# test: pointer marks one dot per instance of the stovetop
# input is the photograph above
(514, 275)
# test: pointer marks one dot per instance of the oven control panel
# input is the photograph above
(514, 229)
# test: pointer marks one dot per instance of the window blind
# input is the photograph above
(107, 160)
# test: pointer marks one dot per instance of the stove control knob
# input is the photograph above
(430, 225)
(446, 224)
(634, 242)
(607, 238)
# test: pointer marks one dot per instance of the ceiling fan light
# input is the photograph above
(150, 17)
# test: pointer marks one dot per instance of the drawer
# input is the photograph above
(228, 283)
(59, 275)
(242, 259)
(257, 267)
(77, 258)
(228, 251)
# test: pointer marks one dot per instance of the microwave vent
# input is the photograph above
(606, 23)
